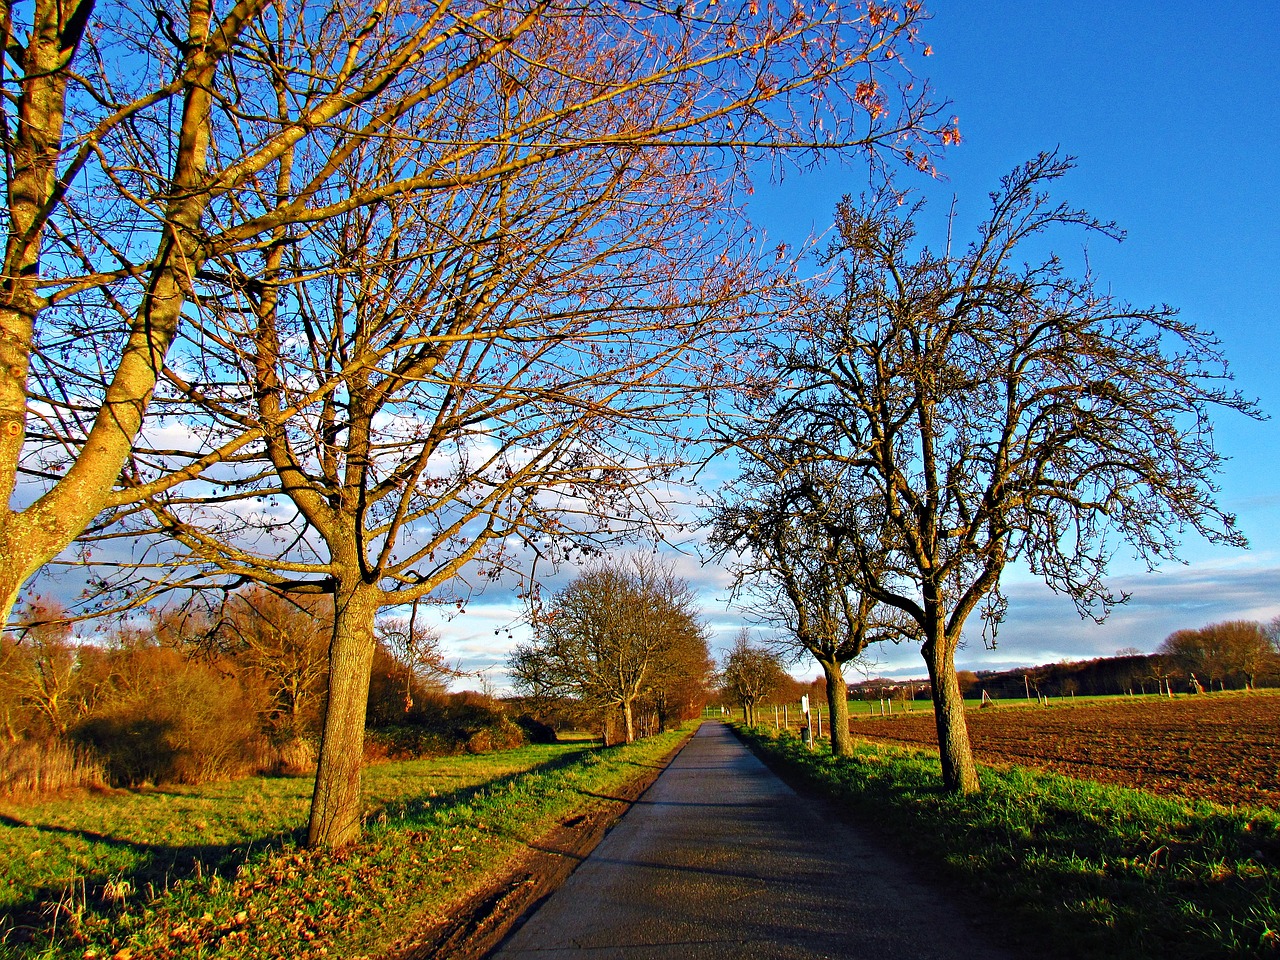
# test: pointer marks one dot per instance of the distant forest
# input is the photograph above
(1136, 673)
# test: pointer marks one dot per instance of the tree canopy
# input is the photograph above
(618, 632)
(356, 301)
(981, 409)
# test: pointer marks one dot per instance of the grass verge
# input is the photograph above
(437, 830)
(1081, 869)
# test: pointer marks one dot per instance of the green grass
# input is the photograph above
(216, 871)
(1077, 868)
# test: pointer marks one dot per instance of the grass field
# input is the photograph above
(216, 871)
(1066, 867)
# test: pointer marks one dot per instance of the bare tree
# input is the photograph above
(282, 639)
(144, 144)
(799, 567)
(750, 674)
(455, 319)
(1002, 410)
(39, 669)
(610, 637)
(153, 150)
(417, 647)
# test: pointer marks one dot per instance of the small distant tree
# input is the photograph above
(40, 668)
(750, 674)
(682, 684)
(417, 648)
(609, 637)
(282, 640)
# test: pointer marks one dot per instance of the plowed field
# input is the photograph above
(1220, 747)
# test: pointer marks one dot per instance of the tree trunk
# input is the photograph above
(335, 804)
(838, 707)
(959, 774)
(628, 723)
(33, 536)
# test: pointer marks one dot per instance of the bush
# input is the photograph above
(293, 755)
(535, 731)
(446, 724)
(192, 726)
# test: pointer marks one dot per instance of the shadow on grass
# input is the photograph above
(403, 812)
(158, 866)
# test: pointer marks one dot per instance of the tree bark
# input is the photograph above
(838, 707)
(628, 722)
(959, 774)
(33, 536)
(335, 803)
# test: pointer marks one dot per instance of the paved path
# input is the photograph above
(720, 858)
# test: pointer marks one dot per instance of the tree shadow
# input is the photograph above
(106, 893)
(159, 866)
(414, 808)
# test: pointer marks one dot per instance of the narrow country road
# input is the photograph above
(720, 858)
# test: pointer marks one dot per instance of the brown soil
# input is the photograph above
(475, 927)
(1223, 747)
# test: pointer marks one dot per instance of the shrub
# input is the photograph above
(293, 755)
(191, 726)
(445, 724)
(535, 731)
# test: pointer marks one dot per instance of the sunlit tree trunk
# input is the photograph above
(628, 722)
(335, 804)
(959, 773)
(838, 706)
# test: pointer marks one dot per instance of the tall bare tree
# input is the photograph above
(801, 543)
(610, 637)
(391, 401)
(152, 149)
(143, 143)
(1002, 410)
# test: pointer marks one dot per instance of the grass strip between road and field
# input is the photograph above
(424, 852)
(1080, 869)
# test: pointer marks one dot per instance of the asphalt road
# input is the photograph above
(720, 858)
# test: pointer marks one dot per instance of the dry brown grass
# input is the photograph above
(32, 768)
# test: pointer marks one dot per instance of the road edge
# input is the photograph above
(481, 923)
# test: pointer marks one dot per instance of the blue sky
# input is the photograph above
(1172, 110)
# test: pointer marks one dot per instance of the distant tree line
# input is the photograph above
(1231, 655)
